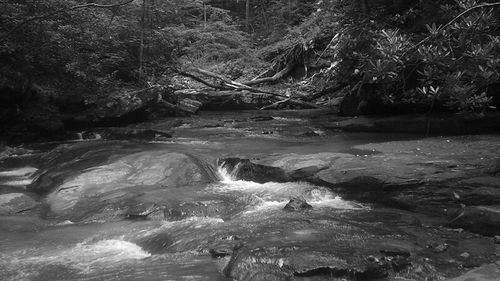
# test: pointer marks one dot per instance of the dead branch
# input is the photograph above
(289, 67)
(204, 82)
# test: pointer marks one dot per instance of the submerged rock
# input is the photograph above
(155, 244)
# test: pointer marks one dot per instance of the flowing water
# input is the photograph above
(98, 240)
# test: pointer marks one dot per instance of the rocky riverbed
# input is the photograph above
(252, 196)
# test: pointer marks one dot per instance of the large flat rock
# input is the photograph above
(125, 178)
(488, 272)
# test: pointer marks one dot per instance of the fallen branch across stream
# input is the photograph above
(228, 84)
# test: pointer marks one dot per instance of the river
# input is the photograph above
(170, 209)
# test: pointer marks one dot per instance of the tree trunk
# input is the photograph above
(247, 15)
(141, 48)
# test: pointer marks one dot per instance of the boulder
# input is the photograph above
(297, 204)
(122, 179)
(244, 169)
(124, 108)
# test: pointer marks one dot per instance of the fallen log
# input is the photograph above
(275, 105)
(229, 84)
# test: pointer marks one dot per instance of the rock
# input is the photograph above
(261, 118)
(438, 247)
(488, 272)
(297, 204)
(117, 133)
(142, 211)
(119, 109)
(480, 219)
(244, 169)
(224, 248)
(444, 124)
(122, 179)
(465, 255)
(155, 244)
(496, 239)
(16, 203)
(394, 252)
(487, 181)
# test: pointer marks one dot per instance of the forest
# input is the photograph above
(61, 60)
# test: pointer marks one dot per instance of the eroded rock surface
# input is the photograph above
(16, 203)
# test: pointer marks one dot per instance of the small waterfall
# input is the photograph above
(225, 175)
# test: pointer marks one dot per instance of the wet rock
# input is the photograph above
(465, 255)
(225, 248)
(261, 118)
(297, 204)
(207, 208)
(244, 169)
(482, 181)
(433, 176)
(488, 272)
(421, 124)
(480, 219)
(128, 134)
(399, 263)
(244, 267)
(496, 239)
(16, 203)
(479, 195)
(142, 211)
(394, 252)
(122, 179)
(438, 247)
(155, 244)
(120, 109)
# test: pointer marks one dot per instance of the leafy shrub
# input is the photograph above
(450, 66)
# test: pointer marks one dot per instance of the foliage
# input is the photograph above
(448, 66)
(100, 48)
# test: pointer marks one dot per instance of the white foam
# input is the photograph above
(85, 255)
